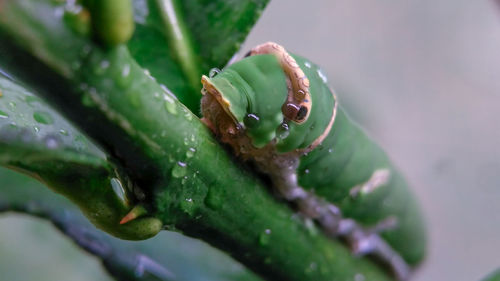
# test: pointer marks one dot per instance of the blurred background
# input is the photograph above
(423, 77)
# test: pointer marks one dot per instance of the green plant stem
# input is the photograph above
(120, 263)
(192, 182)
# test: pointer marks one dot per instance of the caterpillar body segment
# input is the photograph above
(323, 163)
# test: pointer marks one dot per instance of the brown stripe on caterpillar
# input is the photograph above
(298, 104)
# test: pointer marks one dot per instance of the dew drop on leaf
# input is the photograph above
(3, 115)
(52, 142)
(179, 170)
(359, 277)
(265, 237)
(43, 117)
(170, 106)
(187, 205)
(190, 152)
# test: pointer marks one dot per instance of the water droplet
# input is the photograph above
(31, 99)
(311, 268)
(43, 117)
(117, 187)
(359, 277)
(80, 142)
(322, 76)
(213, 72)
(126, 70)
(283, 131)
(187, 113)
(179, 170)
(100, 69)
(59, 12)
(190, 152)
(12, 105)
(63, 132)
(168, 92)
(300, 95)
(51, 142)
(330, 150)
(187, 206)
(184, 179)
(37, 129)
(251, 120)
(171, 107)
(307, 64)
(86, 50)
(104, 64)
(3, 115)
(306, 171)
(265, 237)
(87, 100)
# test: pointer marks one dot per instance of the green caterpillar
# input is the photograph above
(276, 110)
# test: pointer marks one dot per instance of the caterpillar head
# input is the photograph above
(256, 99)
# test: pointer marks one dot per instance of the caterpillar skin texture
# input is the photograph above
(276, 110)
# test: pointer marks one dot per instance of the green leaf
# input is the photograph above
(30, 127)
(169, 256)
(36, 140)
(177, 41)
(494, 276)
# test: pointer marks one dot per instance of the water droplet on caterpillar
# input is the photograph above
(322, 76)
(213, 72)
(251, 120)
(283, 131)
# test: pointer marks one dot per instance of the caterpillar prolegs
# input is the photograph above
(276, 110)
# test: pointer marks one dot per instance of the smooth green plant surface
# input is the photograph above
(494, 276)
(144, 145)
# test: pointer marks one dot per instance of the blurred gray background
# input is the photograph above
(423, 77)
